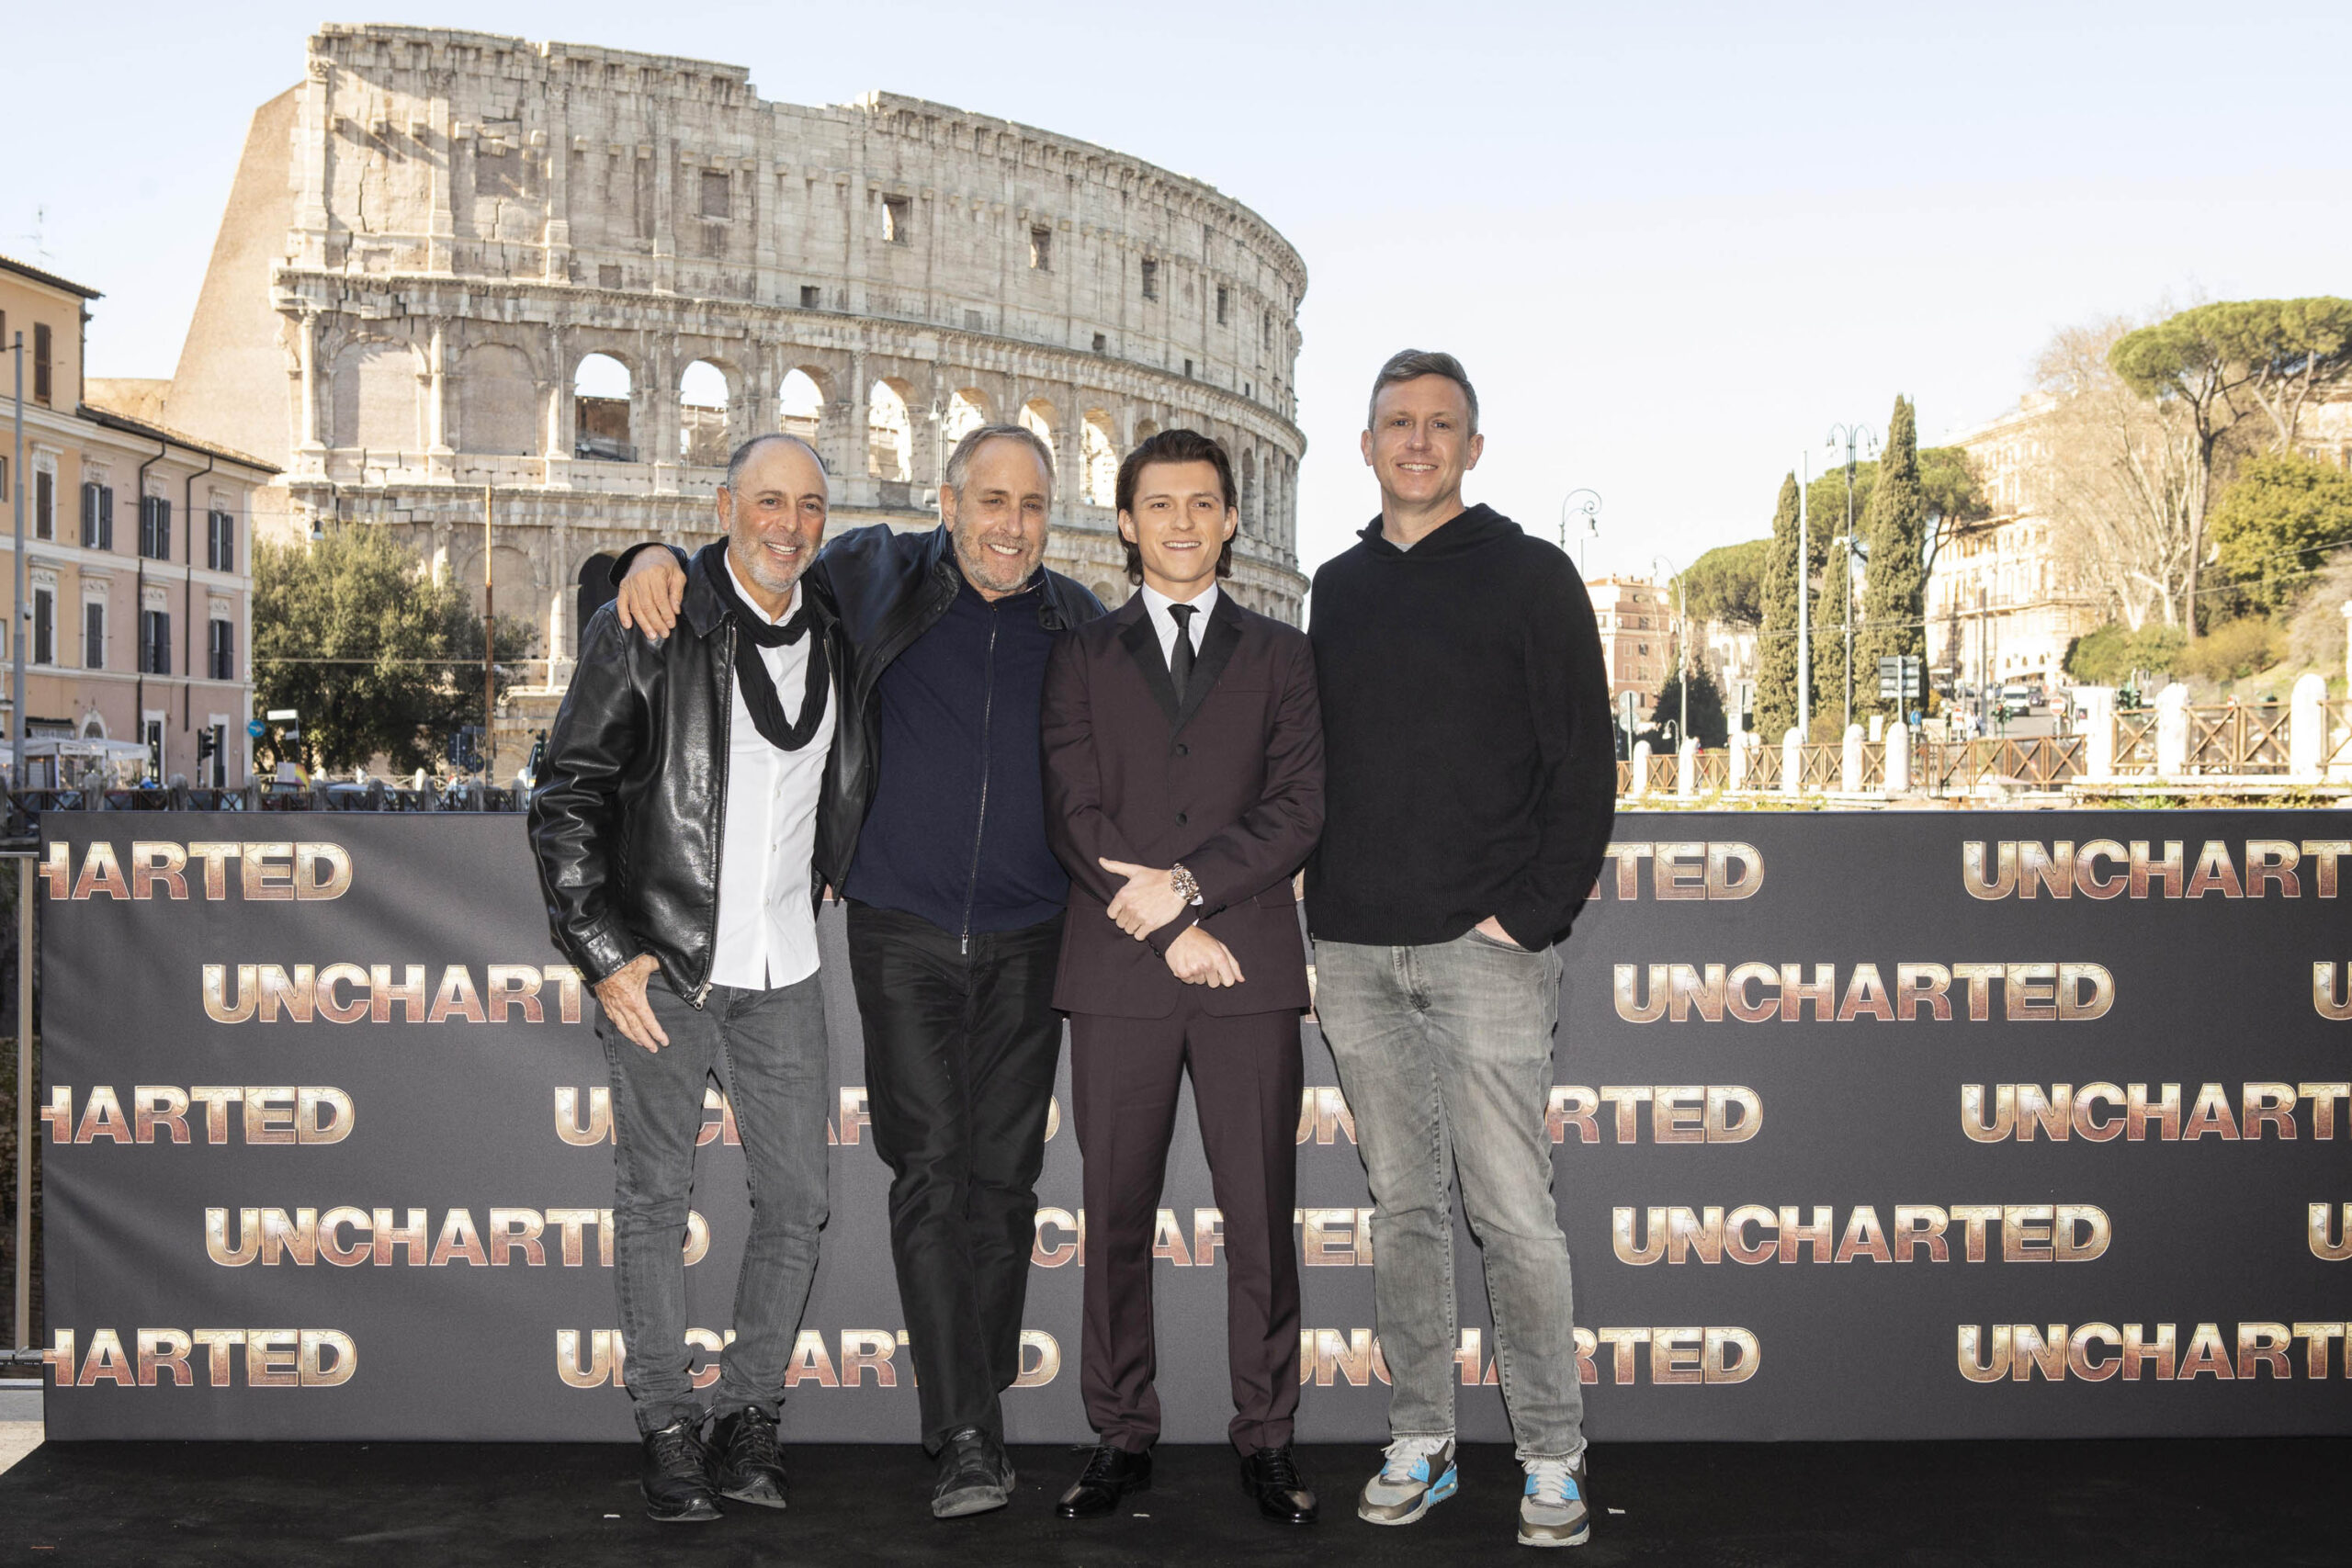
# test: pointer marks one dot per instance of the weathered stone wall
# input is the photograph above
(467, 218)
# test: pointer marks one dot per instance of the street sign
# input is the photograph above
(256, 728)
(283, 715)
(1900, 679)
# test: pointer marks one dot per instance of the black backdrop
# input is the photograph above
(2172, 1277)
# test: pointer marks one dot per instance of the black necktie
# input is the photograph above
(1180, 658)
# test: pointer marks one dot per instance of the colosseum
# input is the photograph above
(456, 266)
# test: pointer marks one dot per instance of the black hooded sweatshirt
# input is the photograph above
(1468, 765)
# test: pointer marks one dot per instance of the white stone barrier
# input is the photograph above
(1850, 762)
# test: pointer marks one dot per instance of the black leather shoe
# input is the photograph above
(676, 1477)
(1110, 1473)
(1271, 1475)
(974, 1476)
(744, 1463)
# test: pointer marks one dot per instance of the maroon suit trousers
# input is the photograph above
(1246, 1072)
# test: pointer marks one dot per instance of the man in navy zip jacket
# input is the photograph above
(934, 829)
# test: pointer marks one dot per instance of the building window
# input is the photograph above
(811, 296)
(97, 516)
(716, 193)
(1102, 343)
(1151, 280)
(44, 505)
(220, 541)
(44, 625)
(41, 362)
(93, 635)
(1269, 334)
(1041, 249)
(1188, 370)
(897, 220)
(156, 642)
(220, 651)
(1220, 304)
(155, 527)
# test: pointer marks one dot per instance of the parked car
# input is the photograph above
(2017, 701)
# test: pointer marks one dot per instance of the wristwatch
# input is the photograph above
(1187, 885)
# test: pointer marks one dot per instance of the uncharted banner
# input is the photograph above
(1892, 1125)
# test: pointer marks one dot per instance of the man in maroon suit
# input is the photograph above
(1184, 788)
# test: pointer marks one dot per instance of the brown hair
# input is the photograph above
(1411, 365)
(1175, 446)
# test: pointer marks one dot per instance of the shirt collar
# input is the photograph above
(1158, 602)
(744, 594)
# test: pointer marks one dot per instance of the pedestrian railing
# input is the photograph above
(2237, 739)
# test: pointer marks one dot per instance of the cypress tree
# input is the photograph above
(1776, 672)
(1895, 595)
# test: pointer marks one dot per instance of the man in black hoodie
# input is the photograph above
(1470, 788)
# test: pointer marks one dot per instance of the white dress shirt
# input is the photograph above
(1156, 605)
(767, 929)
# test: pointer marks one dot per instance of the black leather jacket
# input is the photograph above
(888, 588)
(628, 827)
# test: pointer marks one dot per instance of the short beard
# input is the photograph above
(753, 562)
(986, 570)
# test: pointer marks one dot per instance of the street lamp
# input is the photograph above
(1850, 436)
(1589, 510)
(1852, 547)
(1681, 642)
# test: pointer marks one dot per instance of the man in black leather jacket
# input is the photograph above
(934, 828)
(675, 836)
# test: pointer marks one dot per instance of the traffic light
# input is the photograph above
(465, 748)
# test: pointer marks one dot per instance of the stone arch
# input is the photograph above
(1037, 417)
(800, 402)
(377, 402)
(1144, 430)
(890, 431)
(1249, 478)
(498, 401)
(1098, 476)
(603, 387)
(702, 421)
(968, 408)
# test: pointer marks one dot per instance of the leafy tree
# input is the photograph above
(377, 657)
(1726, 584)
(1953, 497)
(2276, 523)
(1892, 616)
(1707, 719)
(2207, 363)
(2112, 654)
(1781, 582)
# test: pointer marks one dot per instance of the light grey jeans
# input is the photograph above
(768, 1050)
(1445, 1055)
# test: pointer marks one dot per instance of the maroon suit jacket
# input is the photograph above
(1230, 782)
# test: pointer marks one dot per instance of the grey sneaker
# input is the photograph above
(1553, 1511)
(1419, 1472)
(975, 1476)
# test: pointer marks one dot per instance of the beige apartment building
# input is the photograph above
(137, 572)
(2004, 603)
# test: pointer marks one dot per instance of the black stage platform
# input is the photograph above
(1695, 1506)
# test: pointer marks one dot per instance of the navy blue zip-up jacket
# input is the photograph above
(957, 833)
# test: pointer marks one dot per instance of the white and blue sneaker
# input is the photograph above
(1419, 1472)
(1553, 1512)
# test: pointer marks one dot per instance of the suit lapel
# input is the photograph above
(1142, 639)
(1218, 643)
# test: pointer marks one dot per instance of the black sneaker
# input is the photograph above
(745, 1464)
(676, 1477)
(975, 1476)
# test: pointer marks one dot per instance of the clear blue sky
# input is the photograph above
(1672, 244)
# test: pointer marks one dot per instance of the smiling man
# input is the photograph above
(675, 837)
(1184, 786)
(1465, 717)
(933, 827)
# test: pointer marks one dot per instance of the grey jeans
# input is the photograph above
(1445, 1055)
(768, 1050)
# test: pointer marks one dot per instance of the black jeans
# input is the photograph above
(960, 1052)
(768, 1049)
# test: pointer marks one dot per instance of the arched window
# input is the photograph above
(601, 391)
(596, 591)
(1038, 419)
(498, 402)
(967, 411)
(1099, 461)
(801, 406)
(889, 441)
(702, 415)
(376, 398)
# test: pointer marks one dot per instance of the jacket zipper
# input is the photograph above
(988, 713)
(718, 826)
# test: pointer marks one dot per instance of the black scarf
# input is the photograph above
(754, 632)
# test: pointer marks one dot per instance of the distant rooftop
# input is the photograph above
(8, 264)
